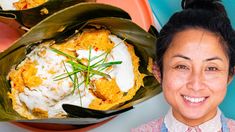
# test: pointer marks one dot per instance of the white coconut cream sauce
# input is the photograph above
(51, 94)
(7, 4)
(123, 73)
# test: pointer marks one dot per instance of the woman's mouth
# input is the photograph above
(194, 100)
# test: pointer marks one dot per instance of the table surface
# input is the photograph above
(151, 109)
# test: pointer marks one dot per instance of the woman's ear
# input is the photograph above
(156, 72)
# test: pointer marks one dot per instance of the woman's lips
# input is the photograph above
(195, 101)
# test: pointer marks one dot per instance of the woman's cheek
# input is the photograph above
(217, 82)
(174, 80)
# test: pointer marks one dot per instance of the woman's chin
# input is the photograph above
(192, 115)
(191, 118)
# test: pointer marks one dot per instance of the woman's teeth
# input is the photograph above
(193, 99)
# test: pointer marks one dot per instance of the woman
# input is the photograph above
(194, 64)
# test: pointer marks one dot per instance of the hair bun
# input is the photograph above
(213, 5)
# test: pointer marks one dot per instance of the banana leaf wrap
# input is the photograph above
(69, 20)
(32, 16)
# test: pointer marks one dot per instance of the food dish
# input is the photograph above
(26, 4)
(142, 20)
(94, 69)
(30, 12)
(20, 4)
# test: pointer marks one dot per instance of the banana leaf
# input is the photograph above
(32, 16)
(69, 20)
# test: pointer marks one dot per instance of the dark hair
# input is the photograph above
(208, 15)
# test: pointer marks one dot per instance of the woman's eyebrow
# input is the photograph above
(181, 56)
(208, 59)
(214, 58)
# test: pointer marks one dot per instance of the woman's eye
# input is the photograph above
(181, 67)
(211, 69)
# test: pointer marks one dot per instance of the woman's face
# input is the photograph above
(195, 75)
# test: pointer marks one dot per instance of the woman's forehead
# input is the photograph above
(196, 42)
(195, 38)
(194, 34)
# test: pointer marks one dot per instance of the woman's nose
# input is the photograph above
(195, 82)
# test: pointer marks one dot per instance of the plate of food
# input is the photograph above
(73, 71)
(30, 12)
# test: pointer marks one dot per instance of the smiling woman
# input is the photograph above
(195, 64)
(198, 65)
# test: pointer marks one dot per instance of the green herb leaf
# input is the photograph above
(64, 54)
(88, 68)
(108, 64)
(100, 73)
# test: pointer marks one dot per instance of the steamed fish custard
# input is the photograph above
(26, 4)
(20, 4)
(93, 69)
